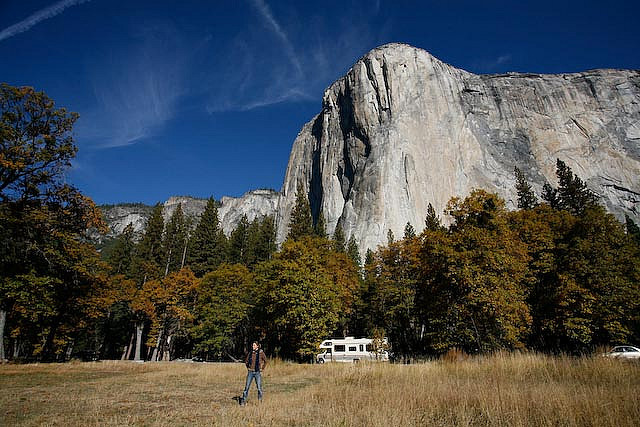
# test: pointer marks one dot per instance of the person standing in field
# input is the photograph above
(255, 361)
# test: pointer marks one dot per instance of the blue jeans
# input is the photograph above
(252, 375)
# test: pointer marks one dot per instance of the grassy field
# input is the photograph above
(505, 390)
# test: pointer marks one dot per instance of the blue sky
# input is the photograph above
(205, 98)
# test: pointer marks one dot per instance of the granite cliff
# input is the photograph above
(403, 129)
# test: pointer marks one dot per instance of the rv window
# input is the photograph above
(328, 351)
(328, 344)
(338, 348)
(352, 348)
(369, 347)
(361, 347)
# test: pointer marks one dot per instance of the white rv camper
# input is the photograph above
(350, 349)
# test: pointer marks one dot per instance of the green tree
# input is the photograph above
(432, 221)
(339, 239)
(353, 251)
(409, 231)
(526, 197)
(149, 251)
(261, 240)
(208, 244)
(573, 194)
(301, 222)
(320, 227)
(222, 310)
(239, 243)
(175, 242)
(633, 231)
(121, 255)
(304, 293)
(550, 195)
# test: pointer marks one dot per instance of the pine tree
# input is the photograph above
(409, 231)
(390, 237)
(573, 194)
(339, 239)
(175, 241)
(354, 252)
(301, 223)
(239, 243)
(208, 245)
(121, 256)
(633, 231)
(320, 228)
(432, 222)
(550, 195)
(526, 197)
(266, 244)
(149, 254)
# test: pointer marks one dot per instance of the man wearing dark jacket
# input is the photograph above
(255, 362)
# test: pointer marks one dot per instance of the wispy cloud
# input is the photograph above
(287, 63)
(39, 16)
(265, 11)
(136, 91)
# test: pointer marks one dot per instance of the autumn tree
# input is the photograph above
(173, 298)
(36, 144)
(44, 258)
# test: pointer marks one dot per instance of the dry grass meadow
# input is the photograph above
(504, 390)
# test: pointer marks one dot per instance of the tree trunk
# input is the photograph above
(47, 348)
(3, 319)
(184, 255)
(154, 357)
(126, 354)
(16, 348)
(104, 347)
(69, 351)
(167, 353)
(166, 270)
(139, 327)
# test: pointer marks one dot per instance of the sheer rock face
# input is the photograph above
(254, 204)
(403, 129)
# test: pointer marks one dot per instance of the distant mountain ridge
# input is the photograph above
(255, 203)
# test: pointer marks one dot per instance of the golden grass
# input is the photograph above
(504, 390)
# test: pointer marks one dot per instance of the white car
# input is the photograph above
(625, 352)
